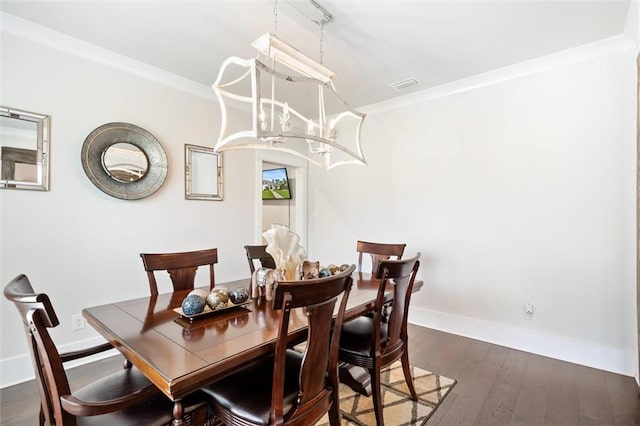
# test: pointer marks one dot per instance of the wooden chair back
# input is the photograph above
(401, 274)
(378, 253)
(181, 267)
(38, 316)
(260, 254)
(318, 373)
(121, 398)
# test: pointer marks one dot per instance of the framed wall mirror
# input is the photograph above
(203, 173)
(24, 149)
(124, 161)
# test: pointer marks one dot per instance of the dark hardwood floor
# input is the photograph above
(496, 385)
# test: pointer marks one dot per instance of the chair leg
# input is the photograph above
(334, 410)
(406, 369)
(376, 394)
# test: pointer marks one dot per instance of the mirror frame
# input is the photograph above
(189, 150)
(43, 146)
(110, 134)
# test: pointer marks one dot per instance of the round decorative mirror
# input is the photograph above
(124, 161)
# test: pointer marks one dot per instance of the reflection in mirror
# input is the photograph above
(203, 173)
(24, 149)
(125, 162)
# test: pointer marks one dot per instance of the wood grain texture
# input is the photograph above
(500, 403)
(592, 389)
(498, 385)
(563, 404)
(532, 399)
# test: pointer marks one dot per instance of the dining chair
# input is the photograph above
(290, 387)
(373, 342)
(260, 254)
(180, 266)
(378, 253)
(122, 398)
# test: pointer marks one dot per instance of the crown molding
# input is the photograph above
(554, 60)
(21, 28)
(18, 27)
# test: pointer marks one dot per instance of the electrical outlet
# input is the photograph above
(77, 322)
(529, 310)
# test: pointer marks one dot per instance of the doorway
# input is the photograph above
(291, 212)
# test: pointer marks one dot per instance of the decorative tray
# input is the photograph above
(208, 311)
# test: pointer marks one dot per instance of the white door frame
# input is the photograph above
(300, 192)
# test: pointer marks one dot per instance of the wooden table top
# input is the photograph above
(180, 357)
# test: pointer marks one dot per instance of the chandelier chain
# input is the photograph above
(321, 42)
(275, 17)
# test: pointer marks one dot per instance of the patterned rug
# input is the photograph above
(399, 409)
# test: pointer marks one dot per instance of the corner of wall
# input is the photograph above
(632, 26)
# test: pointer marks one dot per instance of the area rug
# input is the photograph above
(399, 409)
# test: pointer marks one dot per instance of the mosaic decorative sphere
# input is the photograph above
(192, 304)
(239, 295)
(324, 272)
(217, 298)
(344, 267)
(334, 269)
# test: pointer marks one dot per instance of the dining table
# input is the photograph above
(179, 355)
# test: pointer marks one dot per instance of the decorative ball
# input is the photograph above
(192, 304)
(200, 292)
(238, 295)
(324, 272)
(334, 269)
(344, 267)
(217, 299)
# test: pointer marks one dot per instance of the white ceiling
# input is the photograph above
(369, 44)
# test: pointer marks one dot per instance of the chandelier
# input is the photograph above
(294, 106)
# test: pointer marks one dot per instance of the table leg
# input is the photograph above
(178, 413)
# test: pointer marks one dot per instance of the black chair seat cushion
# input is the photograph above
(357, 336)
(247, 393)
(157, 411)
(114, 386)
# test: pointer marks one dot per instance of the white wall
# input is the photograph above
(517, 186)
(80, 245)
